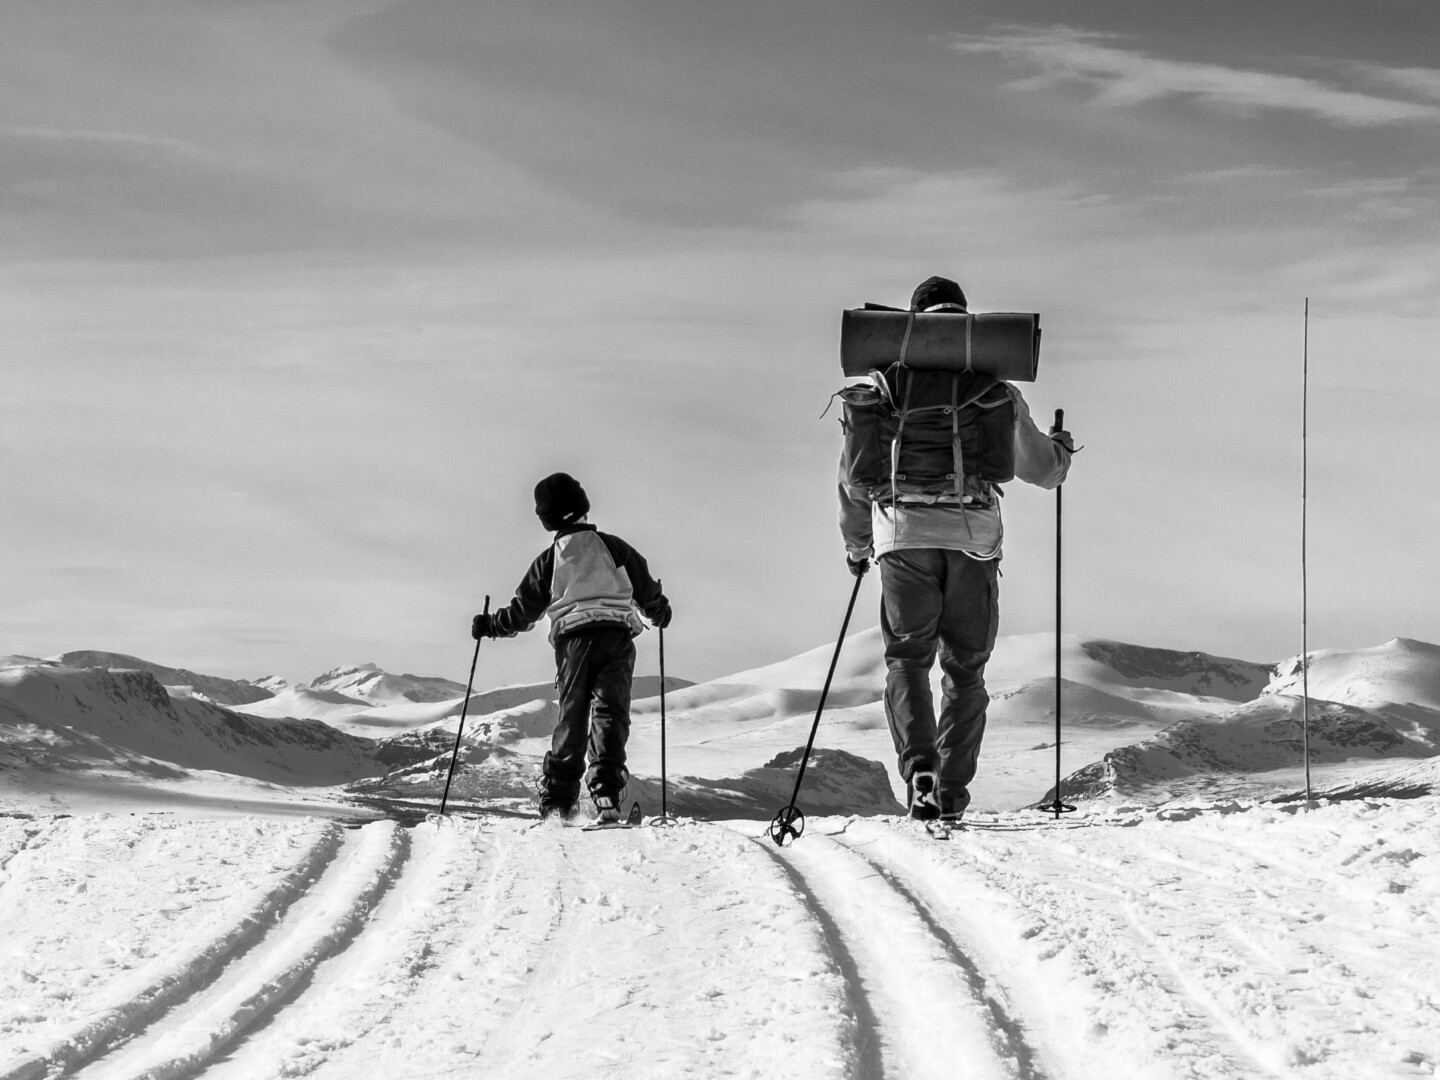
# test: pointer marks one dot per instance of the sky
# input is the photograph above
(298, 301)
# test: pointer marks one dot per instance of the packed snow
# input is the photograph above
(188, 889)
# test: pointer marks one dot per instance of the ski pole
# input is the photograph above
(454, 754)
(664, 818)
(1057, 807)
(789, 822)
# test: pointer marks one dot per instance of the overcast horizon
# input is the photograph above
(299, 301)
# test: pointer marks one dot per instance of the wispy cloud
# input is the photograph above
(1418, 82)
(1127, 76)
(55, 134)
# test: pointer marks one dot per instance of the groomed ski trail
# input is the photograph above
(151, 978)
(1254, 945)
(592, 969)
(502, 949)
(257, 982)
(923, 1006)
(1127, 959)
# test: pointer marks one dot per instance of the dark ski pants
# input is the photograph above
(938, 602)
(593, 671)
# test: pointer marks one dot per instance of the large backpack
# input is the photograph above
(928, 436)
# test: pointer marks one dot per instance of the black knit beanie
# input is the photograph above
(560, 501)
(937, 290)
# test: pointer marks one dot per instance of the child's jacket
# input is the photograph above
(585, 578)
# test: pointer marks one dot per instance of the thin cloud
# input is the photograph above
(1418, 82)
(1130, 77)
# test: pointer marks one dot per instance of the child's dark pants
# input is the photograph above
(593, 671)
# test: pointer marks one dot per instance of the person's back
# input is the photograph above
(939, 557)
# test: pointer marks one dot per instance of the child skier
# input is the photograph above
(593, 586)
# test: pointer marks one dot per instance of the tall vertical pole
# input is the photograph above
(1059, 806)
(1304, 568)
(664, 818)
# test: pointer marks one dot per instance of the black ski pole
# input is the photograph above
(789, 822)
(1057, 807)
(454, 754)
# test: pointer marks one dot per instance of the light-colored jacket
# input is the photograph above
(588, 586)
(584, 578)
(874, 528)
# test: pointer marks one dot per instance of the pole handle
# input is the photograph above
(1059, 421)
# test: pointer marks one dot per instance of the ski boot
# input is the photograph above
(557, 800)
(607, 808)
(924, 796)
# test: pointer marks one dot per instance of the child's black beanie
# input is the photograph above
(560, 501)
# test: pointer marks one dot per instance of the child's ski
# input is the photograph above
(631, 822)
(940, 830)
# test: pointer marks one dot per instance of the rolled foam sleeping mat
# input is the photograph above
(999, 343)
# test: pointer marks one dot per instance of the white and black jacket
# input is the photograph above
(585, 578)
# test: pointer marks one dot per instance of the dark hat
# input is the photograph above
(937, 290)
(560, 501)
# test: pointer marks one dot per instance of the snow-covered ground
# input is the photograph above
(1226, 941)
(190, 890)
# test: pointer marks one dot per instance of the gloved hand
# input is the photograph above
(482, 626)
(1064, 438)
(857, 567)
(661, 618)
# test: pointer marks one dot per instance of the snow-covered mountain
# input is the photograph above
(369, 683)
(1138, 723)
(61, 720)
(1373, 713)
(1399, 672)
(179, 681)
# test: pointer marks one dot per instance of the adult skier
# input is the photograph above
(593, 586)
(939, 572)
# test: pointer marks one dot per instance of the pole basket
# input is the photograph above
(1057, 808)
(787, 826)
(660, 821)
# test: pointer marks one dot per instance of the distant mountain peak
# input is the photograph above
(373, 683)
(344, 671)
(1197, 672)
(180, 681)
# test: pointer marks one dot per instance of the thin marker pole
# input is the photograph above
(1304, 538)
(664, 818)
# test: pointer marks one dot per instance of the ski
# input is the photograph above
(632, 821)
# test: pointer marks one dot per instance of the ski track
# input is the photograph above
(1128, 961)
(89, 1022)
(318, 924)
(925, 1006)
(1169, 950)
(353, 999)
(618, 990)
(505, 950)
